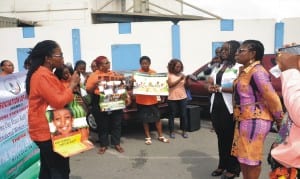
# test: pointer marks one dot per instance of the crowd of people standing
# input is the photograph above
(244, 104)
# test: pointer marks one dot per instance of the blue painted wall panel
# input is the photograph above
(124, 28)
(279, 34)
(125, 56)
(176, 41)
(76, 45)
(28, 32)
(22, 54)
(227, 25)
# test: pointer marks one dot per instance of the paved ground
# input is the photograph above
(190, 158)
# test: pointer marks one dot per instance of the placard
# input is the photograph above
(112, 95)
(69, 129)
(151, 84)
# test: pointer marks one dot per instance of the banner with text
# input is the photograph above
(19, 155)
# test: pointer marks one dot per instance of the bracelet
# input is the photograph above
(220, 89)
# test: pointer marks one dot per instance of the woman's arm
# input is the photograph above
(171, 83)
(290, 80)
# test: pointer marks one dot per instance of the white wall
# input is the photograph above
(196, 39)
(292, 30)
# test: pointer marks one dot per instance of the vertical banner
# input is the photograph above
(19, 155)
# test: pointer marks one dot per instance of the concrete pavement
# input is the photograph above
(195, 157)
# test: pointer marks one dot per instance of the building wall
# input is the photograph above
(196, 39)
(291, 30)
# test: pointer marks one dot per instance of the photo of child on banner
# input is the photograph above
(113, 93)
(69, 129)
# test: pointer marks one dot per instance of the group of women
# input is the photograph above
(64, 83)
(243, 106)
(241, 126)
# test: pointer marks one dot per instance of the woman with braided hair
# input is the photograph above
(220, 85)
(43, 89)
(256, 105)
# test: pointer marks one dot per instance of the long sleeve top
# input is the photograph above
(287, 153)
(254, 95)
(45, 89)
(228, 77)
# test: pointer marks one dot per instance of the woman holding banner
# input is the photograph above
(147, 107)
(108, 120)
(44, 88)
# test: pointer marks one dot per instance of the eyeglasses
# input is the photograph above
(106, 63)
(242, 50)
(58, 56)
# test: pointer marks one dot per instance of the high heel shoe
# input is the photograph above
(232, 175)
(217, 172)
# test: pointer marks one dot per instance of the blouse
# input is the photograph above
(254, 95)
(228, 77)
(45, 89)
(176, 92)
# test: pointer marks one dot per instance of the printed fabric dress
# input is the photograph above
(256, 104)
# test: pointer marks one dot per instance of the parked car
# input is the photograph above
(130, 112)
(200, 95)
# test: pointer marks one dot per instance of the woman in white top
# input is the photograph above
(221, 88)
(177, 98)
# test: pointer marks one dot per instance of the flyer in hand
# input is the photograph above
(151, 84)
(69, 129)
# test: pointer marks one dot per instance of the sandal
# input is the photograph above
(163, 139)
(172, 135)
(217, 172)
(148, 141)
(119, 148)
(102, 150)
(185, 135)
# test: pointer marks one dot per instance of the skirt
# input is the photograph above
(148, 113)
(248, 142)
